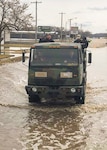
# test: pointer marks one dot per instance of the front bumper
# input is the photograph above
(61, 92)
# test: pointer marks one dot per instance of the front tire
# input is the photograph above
(80, 100)
(34, 99)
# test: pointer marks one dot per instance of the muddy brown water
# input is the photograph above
(61, 126)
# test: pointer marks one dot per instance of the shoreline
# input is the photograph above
(94, 43)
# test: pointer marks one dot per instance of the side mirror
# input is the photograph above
(90, 58)
(23, 56)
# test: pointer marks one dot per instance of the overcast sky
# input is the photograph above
(89, 15)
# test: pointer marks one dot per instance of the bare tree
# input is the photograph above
(13, 15)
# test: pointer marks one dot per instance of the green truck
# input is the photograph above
(57, 71)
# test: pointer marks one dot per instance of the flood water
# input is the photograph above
(61, 126)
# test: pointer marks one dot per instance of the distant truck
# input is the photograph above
(57, 71)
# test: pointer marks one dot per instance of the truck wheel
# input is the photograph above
(80, 100)
(34, 99)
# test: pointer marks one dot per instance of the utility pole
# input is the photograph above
(36, 26)
(81, 28)
(70, 26)
(61, 23)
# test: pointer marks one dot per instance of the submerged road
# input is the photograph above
(53, 126)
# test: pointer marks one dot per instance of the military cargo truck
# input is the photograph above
(57, 71)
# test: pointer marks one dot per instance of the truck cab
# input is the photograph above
(57, 71)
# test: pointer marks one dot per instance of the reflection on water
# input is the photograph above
(46, 127)
(64, 127)
(55, 128)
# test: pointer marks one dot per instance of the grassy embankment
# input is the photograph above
(7, 55)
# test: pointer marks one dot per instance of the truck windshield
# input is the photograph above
(54, 56)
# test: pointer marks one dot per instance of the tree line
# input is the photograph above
(13, 16)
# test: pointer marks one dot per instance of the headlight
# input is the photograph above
(34, 89)
(73, 90)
